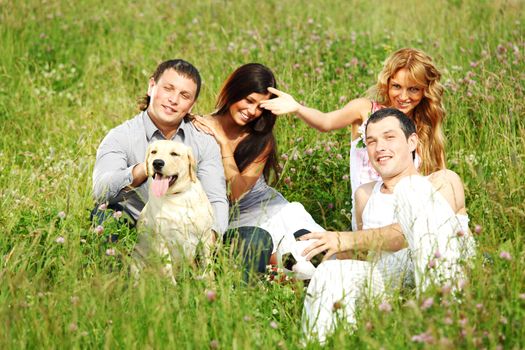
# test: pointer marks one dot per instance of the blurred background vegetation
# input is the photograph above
(71, 71)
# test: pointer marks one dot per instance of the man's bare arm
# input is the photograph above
(388, 238)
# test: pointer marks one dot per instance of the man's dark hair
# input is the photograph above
(405, 123)
(182, 67)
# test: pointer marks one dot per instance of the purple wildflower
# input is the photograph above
(385, 306)
(505, 255)
(211, 295)
(427, 303)
(424, 337)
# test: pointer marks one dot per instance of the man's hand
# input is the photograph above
(139, 174)
(329, 242)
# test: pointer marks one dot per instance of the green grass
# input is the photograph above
(71, 72)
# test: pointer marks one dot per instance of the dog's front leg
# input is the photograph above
(167, 269)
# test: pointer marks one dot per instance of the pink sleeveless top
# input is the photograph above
(361, 172)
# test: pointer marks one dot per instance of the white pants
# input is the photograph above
(434, 255)
(282, 226)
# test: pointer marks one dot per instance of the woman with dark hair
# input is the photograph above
(244, 132)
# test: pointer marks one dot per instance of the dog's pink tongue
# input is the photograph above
(160, 185)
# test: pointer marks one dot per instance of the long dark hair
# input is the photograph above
(245, 80)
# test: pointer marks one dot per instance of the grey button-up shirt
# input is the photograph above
(126, 145)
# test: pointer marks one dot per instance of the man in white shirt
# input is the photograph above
(414, 226)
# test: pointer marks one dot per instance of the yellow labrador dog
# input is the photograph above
(177, 219)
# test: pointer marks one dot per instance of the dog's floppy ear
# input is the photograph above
(192, 165)
(148, 152)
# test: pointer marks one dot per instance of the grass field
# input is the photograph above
(72, 71)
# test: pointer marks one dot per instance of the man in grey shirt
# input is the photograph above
(119, 177)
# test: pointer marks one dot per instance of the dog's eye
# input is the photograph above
(153, 152)
(174, 154)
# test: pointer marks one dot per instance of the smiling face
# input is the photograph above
(247, 109)
(172, 97)
(389, 150)
(404, 92)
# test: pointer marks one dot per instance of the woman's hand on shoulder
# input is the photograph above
(207, 126)
(282, 104)
(203, 124)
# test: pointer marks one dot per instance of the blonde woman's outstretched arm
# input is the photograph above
(353, 113)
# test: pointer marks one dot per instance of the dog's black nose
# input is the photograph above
(158, 164)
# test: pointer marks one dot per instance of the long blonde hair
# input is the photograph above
(428, 115)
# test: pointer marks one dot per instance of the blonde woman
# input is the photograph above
(409, 81)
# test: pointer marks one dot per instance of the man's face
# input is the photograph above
(388, 149)
(171, 98)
